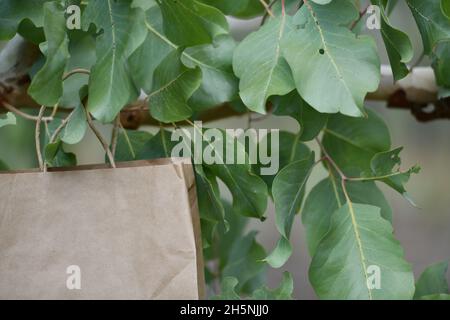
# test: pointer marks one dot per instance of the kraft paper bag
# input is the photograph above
(94, 232)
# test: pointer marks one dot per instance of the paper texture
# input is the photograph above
(133, 232)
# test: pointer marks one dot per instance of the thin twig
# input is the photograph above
(361, 15)
(115, 135)
(37, 138)
(330, 160)
(100, 138)
(268, 10)
(61, 127)
(23, 114)
(75, 71)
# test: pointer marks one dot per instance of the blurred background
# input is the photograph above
(424, 232)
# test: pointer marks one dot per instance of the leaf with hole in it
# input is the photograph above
(333, 68)
(189, 22)
(10, 119)
(433, 281)
(386, 168)
(359, 258)
(288, 190)
(121, 30)
(398, 45)
(13, 12)
(130, 144)
(173, 85)
(47, 85)
(259, 64)
(327, 196)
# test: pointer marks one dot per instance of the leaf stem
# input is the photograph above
(267, 7)
(37, 138)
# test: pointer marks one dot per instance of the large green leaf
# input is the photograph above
(358, 242)
(432, 281)
(323, 53)
(13, 12)
(76, 127)
(288, 190)
(353, 142)
(327, 196)
(259, 64)
(189, 22)
(121, 31)
(173, 85)
(398, 45)
(47, 86)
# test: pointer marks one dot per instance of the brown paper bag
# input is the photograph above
(98, 233)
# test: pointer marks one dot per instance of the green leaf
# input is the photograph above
(323, 53)
(398, 45)
(445, 6)
(130, 144)
(228, 287)
(433, 281)
(238, 8)
(441, 62)
(55, 156)
(436, 297)
(327, 196)
(219, 84)
(353, 142)
(3, 166)
(288, 191)
(158, 147)
(14, 12)
(173, 85)
(82, 56)
(76, 127)
(144, 61)
(208, 193)
(433, 25)
(248, 190)
(283, 292)
(259, 64)
(359, 239)
(291, 149)
(386, 168)
(245, 260)
(311, 121)
(121, 31)
(47, 86)
(10, 119)
(189, 22)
